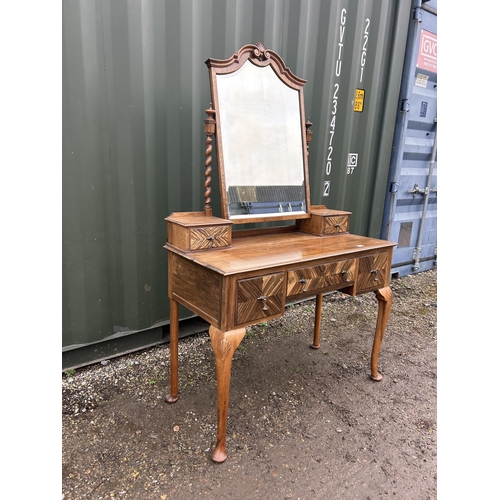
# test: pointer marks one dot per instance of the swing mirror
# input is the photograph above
(261, 137)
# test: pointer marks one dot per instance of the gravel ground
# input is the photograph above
(303, 423)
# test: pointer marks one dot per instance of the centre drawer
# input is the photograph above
(260, 298)
(321, 276)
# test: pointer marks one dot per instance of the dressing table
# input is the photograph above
(237, 278)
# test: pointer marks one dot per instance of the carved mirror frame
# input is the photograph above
(260, 136)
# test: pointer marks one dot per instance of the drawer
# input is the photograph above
(316, 278)
(337, 224)
(209, 237)
(373, 272)
(260, 298)
(324, 221)
(195, 231)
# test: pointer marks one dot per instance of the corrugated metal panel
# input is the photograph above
(135, 88)
(362, 52)
(410, 217)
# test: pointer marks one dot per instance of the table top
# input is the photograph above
(256, 252)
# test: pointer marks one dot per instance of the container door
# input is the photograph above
(410, 212)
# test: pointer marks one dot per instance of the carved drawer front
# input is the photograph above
(336, 224)
(209, 237)
(315, 278)
(260, 298)
(325, 221)
(372, 272)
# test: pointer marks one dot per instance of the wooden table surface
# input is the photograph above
(265, 251)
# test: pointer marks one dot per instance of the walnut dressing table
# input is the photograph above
(237, 278)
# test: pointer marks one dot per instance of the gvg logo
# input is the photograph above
(429, 45)
(428, 51)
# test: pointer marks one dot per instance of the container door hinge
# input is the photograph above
(418, 14)
(405, 105)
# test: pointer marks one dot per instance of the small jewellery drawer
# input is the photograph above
(373, 272)
(195, 231)
(209, 237)
(260, 298)
(337, 224)
(323, 276)
(324, 221)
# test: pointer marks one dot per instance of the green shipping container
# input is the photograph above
(135, 90)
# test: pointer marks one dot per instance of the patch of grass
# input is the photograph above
(251, 333)
(156, 379)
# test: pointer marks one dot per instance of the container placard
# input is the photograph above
(359, 100)
(428, 51)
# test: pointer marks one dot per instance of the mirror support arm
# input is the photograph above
(209, 131)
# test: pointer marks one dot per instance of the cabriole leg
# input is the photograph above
(317, 321)
(174, 342)
(384, 297)
(224, 344)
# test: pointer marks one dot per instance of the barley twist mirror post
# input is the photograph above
(209, 131)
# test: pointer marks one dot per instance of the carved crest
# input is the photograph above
(260, 55)
(261, 52)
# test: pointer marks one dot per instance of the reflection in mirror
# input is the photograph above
(260, 128)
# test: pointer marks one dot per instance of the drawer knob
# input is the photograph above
(374, 272)
(337, 226)
(345, 276)
(303, 281)
(211, 239)
(263, 299)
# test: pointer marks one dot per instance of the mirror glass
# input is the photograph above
(261, 139)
